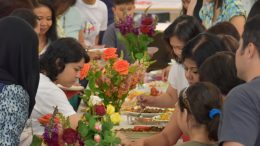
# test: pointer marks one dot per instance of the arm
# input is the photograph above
(232, 144)
(166, 100)
(238, 22)
(74, 119)
(191, 7)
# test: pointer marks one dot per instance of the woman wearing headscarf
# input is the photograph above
(19, 77)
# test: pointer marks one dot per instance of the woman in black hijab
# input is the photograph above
(19, 77)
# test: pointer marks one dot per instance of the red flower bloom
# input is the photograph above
(147, 20)
(109, 53)
(121, 66)
(45, 119)
(100, 109)
(70, 136)
(84, 71)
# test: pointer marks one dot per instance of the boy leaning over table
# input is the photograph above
(120, 9)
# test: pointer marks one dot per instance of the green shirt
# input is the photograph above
(195, 143)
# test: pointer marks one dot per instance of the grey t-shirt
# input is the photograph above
(110, 40)
(241, 115)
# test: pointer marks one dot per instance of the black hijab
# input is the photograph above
(19, 63)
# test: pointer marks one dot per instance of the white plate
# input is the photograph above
(72, 88)
(97, 50)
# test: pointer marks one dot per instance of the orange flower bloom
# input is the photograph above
(121, 66)
(109, 53)
(84, 71)
(45, 119)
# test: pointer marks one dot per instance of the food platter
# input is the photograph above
(138, 114)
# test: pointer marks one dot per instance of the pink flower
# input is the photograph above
(98, 127)
(97, 138)
(70, 136)
(100, 109)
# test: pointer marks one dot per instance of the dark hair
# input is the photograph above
(64, 4)
(120, 2)
(255, 10)
(27, 15)
(224, 28)
(52, 32)
(199, 99)
(60, 53)
(230, 42)
(184, 28)
(201, 47)
(7, 6)
(220, 69)
(252, 32)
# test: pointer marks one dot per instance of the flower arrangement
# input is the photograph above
(137, 35)
(109, 85)
(112, 81)
(93, 129)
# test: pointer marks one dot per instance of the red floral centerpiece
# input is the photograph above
(136, 36)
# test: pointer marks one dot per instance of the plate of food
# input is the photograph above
(164, 117)
(137, 111)
(140, 131)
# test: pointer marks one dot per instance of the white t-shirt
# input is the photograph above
(47, 97)
(94, 18)
(177, 77)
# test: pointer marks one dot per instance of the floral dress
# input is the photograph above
(228, 10)
(14, 105)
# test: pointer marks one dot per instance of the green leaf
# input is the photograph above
(90, 142)
(36, 141)
(92, 122)
(98, 74)
(87, 93)
(117, 140)
(105, 86)
(92, 84)
(132, 69)
(82, 129)
(139, 56)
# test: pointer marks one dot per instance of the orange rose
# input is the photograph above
(109, 53)
(84, 71)
(45, 119)
(121, 66)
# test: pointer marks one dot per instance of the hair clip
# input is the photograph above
(213, 112)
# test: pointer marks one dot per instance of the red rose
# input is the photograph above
(70, 136)
(121, 66)
(147, 20)
(100, 109)
(145, 29)
(109, 53)
(84, 71)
